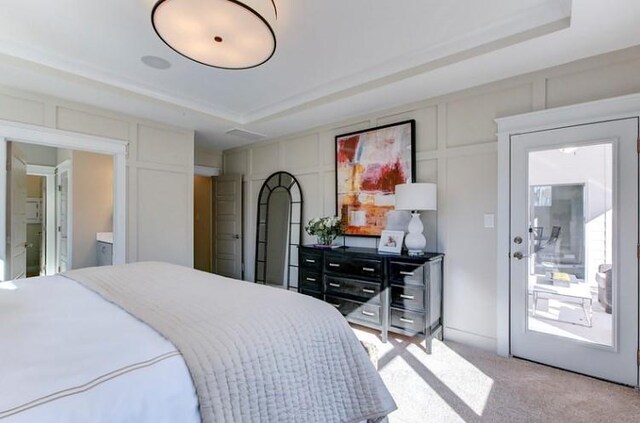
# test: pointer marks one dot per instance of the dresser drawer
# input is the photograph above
(355, 311)
(311, 261)
(367, 291)
(408, 321)
(406, 273)
(310, 281)
(368, 268)
(408, 297)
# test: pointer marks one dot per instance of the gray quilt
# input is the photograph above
(255, 353)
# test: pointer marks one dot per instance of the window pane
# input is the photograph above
(570, 243)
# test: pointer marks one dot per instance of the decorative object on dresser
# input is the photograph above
(326, 229)
(278, 231)
(415, 197)
(388, 292)
(369, 165)
(391, 241)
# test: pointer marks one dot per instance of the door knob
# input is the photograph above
(518, 255)
(236, 236)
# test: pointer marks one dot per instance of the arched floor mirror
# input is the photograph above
(278, 231)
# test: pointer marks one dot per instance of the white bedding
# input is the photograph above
(66, 355)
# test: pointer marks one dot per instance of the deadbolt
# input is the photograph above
(517, 240)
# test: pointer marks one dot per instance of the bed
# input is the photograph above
(154, 342)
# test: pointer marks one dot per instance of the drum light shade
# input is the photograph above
(227, 34)
(416, 196)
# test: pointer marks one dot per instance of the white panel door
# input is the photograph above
(228, 226)
(44, 228)
(574, 243)
(63, 217)
(17, 216)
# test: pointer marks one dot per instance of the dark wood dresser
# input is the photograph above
(388, 292)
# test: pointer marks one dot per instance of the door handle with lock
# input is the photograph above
(518, 255)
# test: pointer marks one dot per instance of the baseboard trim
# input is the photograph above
(471, 339)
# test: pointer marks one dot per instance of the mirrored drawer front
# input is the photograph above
(367, 291)
(407, 296)
(311, 262)
(353, 267)
(353, 310)
(407, 321)
(310, 281)
(406, 272)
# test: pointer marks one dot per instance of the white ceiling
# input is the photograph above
(335, 59)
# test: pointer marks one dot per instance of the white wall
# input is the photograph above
(457, 149)
(92, 186)
(159, 169)
(209, 158)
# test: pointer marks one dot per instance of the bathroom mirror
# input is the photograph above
(278, 231)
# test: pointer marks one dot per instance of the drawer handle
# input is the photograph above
(334, 285)
(334, 265)
(368, 269)
(336, 305)
(402, 319)
(368, 291)
(407, 297)
(311, 279)
(310, 261)
(368, 313)
(402, 272)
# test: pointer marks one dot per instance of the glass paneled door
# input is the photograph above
(574, 244)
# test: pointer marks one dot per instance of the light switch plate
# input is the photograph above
(489, 221)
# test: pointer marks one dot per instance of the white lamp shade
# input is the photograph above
(416, 196)
(226, 34)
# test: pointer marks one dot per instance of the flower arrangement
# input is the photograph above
(325, 228)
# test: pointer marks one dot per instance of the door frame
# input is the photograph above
(580, 114)
(33, 134)
(65, 166)
(49, 173)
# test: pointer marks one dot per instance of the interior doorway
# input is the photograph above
(45, 237)
(41, 215)
(42, 136)
(203, 227)
(36, 221)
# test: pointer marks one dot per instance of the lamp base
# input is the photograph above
(415, 240)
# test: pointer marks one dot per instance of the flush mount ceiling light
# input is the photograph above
(227, 34)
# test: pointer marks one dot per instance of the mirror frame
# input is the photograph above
(267, 189)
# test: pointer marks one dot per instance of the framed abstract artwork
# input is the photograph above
(369, 165)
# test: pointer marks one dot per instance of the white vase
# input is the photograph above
(415, 240)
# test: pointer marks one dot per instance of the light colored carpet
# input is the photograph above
(458, 383)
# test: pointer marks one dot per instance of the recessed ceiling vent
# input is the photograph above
(246, 135)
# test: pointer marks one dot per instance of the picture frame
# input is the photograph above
(391, 242)
(369, 164)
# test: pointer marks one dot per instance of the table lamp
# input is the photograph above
(416, 197)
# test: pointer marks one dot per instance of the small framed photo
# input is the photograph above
(391, 241)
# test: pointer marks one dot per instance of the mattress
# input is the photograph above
(66, 355)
